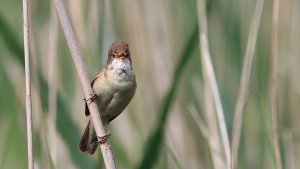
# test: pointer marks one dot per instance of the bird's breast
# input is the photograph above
(114, 89)
(120, 76)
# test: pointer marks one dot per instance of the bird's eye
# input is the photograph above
(114, 55)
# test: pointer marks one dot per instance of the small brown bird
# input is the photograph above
(114, 87)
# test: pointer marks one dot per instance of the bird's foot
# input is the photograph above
(92, 98)
(103, 139)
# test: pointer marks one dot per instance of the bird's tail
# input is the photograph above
(89, 141)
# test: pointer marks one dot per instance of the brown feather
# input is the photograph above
(87, 111)
(89, 139)
(88, 142)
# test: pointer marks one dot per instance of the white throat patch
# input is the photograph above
(120, 72)
(120, 65)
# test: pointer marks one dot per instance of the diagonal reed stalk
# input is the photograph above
(83, 76)
(274, 86)
(200, 123)
(210, 79)
(28, 84)
(244, 83)
(210, 131)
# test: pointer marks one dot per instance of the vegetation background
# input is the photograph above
(166, 124)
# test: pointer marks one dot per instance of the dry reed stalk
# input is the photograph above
(274, 86)
(211, 138)
(289, 150)
(83, 76)
(28, 84)
(215, 140)
(52, 81)
(210, 132)
(244, 83)
(210, 79)
(200, 123)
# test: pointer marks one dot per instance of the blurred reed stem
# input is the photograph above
(210, 136)
(244, 82)
(154, 142)
(28, 84)
(210, 130)
(52, 81)
(15, 47)
(210, 79)
(274, 87)
(172, 151)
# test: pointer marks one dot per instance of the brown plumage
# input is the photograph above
(114, 87)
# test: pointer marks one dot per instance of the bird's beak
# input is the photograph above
(121, 55)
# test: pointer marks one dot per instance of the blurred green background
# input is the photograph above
(157, 130)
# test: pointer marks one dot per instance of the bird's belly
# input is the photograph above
(115, 93)
(117, 104)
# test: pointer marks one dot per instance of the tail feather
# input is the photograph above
(89, 141)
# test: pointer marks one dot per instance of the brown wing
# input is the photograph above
(87, 111)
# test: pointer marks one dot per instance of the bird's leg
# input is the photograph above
(103, 139)
(92, 98)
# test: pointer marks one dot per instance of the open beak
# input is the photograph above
(121, 55)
